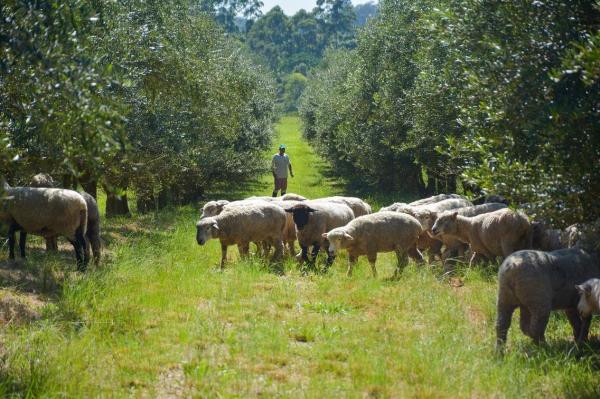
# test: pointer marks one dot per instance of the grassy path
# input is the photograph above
(162, 321)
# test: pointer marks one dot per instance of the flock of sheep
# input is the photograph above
(543, 269)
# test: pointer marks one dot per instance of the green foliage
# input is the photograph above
(293, 87)
(143, 94)
(502, 96)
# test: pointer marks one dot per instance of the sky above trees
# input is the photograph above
(290, 7)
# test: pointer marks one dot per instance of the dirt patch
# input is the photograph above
(171, 383)
(19, 308)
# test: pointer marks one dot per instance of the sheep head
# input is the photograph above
(206, 229)
(213, 208)
(338, 239)
(589, 297)
(301, 214)
(445, 224)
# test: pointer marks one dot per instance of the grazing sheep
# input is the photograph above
(42, 180)
(426, 214)
(498, 233)
(239, 225)
(214, 208)
(453, 246)
(491, 199)
(378, 232)
(395, 207)
(312, 219)
(46, 212)
(538, 282)
(436, 198)
(358, 206)
(93, 223)
(292, 197)
(588, 305)
(544, 239)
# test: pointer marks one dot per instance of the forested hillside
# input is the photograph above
(495, 97)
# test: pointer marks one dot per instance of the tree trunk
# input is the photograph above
(117, 205)
(90, 187)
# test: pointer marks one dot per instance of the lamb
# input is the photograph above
(378, 232)
(240, 225)
(93, 222)
(358, 206)
(312, 219)
(453, 246)
(538, 282)
(498, 233)
(47, 212)
(435, 198)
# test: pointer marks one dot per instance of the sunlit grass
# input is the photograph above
(160, 319)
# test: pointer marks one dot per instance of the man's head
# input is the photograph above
(281, 149)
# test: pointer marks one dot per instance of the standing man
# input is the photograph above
(280, 165)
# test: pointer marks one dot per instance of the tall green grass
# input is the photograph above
(161, 319)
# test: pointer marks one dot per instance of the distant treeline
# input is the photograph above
(292, 45)
(149, 96)
(497, 97)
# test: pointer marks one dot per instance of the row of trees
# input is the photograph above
(142, 95)
(499, 96)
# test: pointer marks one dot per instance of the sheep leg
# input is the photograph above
(11, 240)
(585, 329)
(525, 320)
(278, 244)
(476, 259)
(244, 249)
(372, 257)
(51, 244)
(223, 255)
(351, 262)
(315, 251)
(291, 247)
(415, 254)
(505, 312)
(539, 321)
(22, 241)
(402, 261)
(575, 321)
(330, 260)
(303, 253)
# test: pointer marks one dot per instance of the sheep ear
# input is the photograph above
(583, 289)
(309, 209)
(454, 215)
(324, 236)
(348, 237)
(289, 210)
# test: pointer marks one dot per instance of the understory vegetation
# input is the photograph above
(497, 97)
(159, 319)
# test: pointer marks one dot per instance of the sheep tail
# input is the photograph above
(83, 217)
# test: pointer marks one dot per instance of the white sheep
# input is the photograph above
(435, 198)
(378, 232)
(454, 247)
(312, 219)
(498, 233)
(358, 206)
(93, 223)
(242, 224)
(425, 214)
(46, 212)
